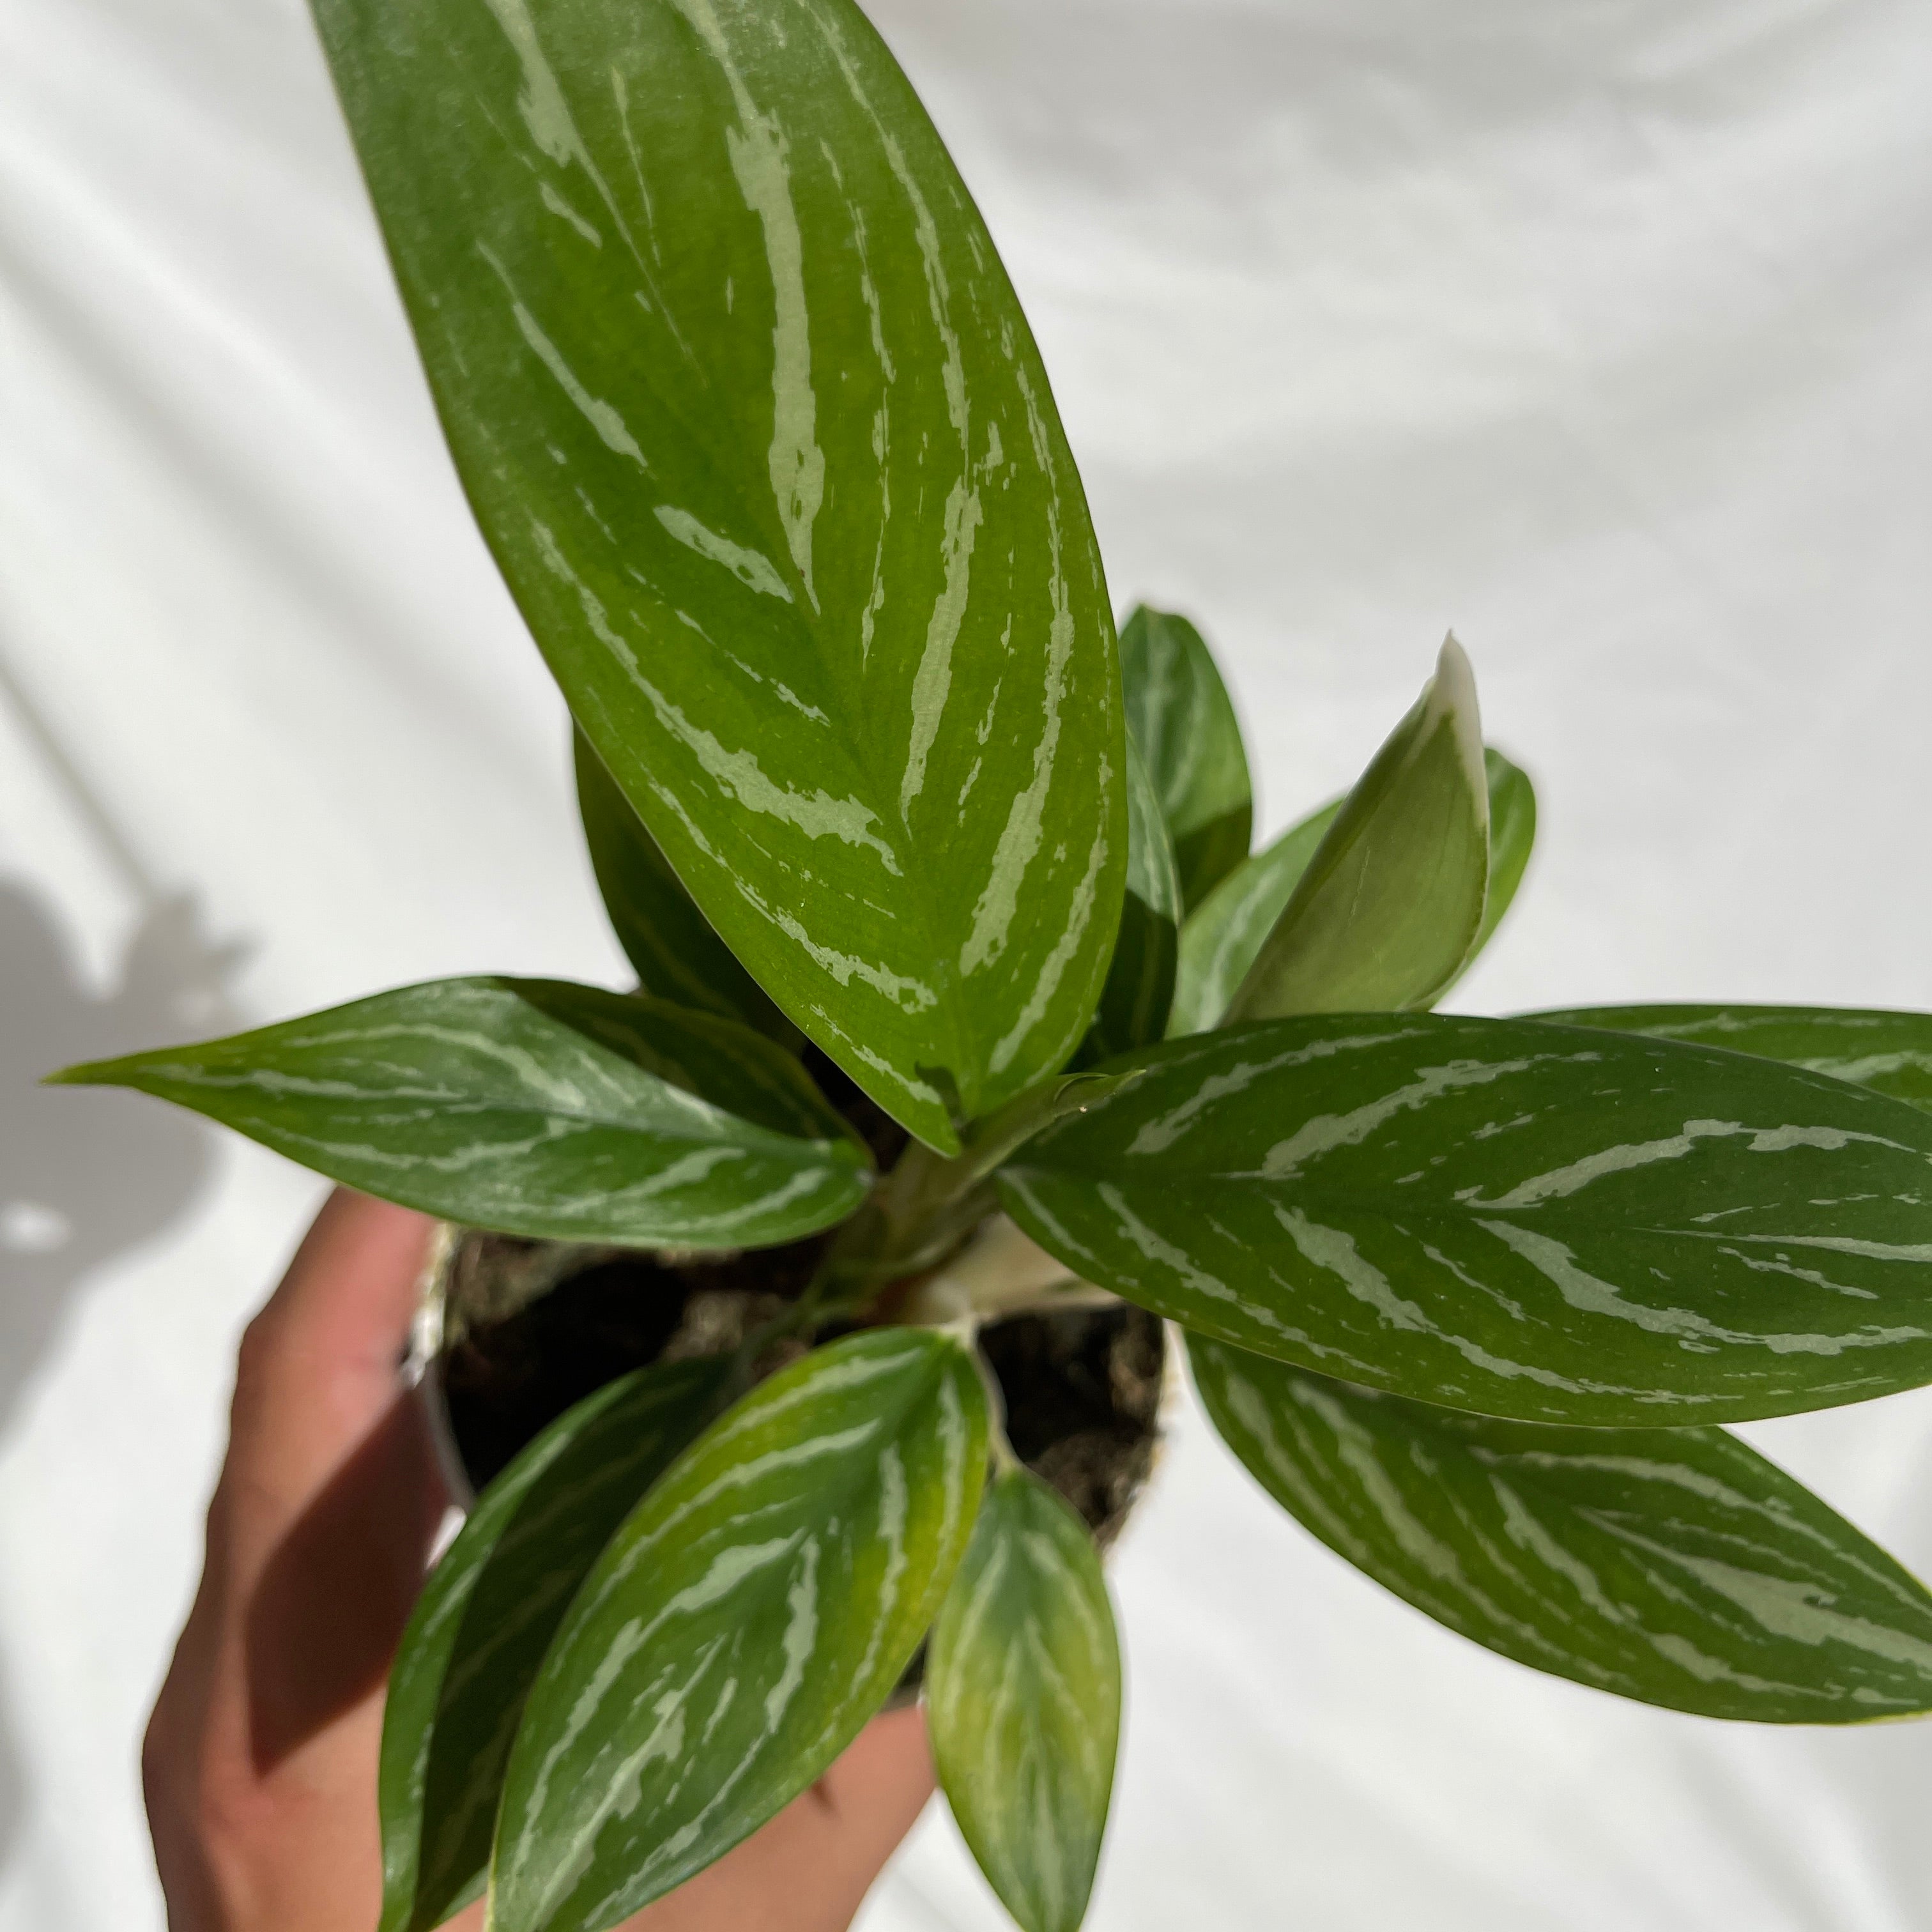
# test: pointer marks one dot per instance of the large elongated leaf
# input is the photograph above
(1140, 978)
(487, 1616)
(751, 420)
(749, 1616)
(1889, 1052)
(671, 943)
(1181, 716)
(1672, 1565)
(1023, 1699)
(1391, 903)
(1225, 932)
(533, 1107)
(1526, 1220)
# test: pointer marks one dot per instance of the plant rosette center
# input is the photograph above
(512, 1334)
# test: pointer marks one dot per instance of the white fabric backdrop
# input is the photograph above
(1597, 329)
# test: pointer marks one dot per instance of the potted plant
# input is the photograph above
(971, 1043)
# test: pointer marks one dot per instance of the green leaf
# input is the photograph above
(1392, 902)
(1671, 1565)
(1140, 980)
(487, 1616)
(751, 420)
(1889, 1052)
(1023, 1701)
(1225, 932)
(677, 954)
(1526, 1220)
(1181, 715)
(533, 1107)
(752, 1612)
(1512, 836)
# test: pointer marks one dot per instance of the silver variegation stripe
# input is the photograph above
(1890, 1052)
(750, 416)
(742, 1625)
(1674, 1566)
(1519, 1219)
(534, 1107)
(1180, 715)
(1023, 1695)
(485, 1619)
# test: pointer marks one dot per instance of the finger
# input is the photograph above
(260, 1759)
(321, 1357)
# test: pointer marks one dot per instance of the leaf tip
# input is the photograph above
(1450, 698)
(84, 1073)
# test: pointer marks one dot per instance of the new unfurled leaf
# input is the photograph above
(1523, 1220)
(1224, 933)
(1181, 717)
(487, 1616)
(751, 420)
(1023, 1702)
(533, 1107)
(1140, 980)
(1889, 1052)
(1391, 902)
(671, 943)
(1672, 1565)
(749, 1617)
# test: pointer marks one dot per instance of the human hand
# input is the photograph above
(260, 1766)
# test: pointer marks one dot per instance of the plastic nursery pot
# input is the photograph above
(510, 1333)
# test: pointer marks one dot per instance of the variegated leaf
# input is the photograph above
(752, 421)
(533, 1107)
(671, 943)
(1222, 934)
(1889, 1052)
(1391, 903)
(1023, 1702)
(486, 1618)
(1671, 1565)
(749, 1616)
(1179, 712)
(1527, 1220)
(1140, 980)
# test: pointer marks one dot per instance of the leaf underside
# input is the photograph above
(486, 1617)
(533, 1107)
(750, 418)
(1223, 934)
(1391, 904)
(1521, 1219)
(749, 1616)
(1023, 1702)
(1675, 1566)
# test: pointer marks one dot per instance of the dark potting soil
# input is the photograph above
(1082, 1388)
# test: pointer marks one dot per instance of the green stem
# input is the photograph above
(929, 1204)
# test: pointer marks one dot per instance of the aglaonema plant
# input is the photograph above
(751, 420)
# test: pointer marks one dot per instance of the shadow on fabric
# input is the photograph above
(86, 1174)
